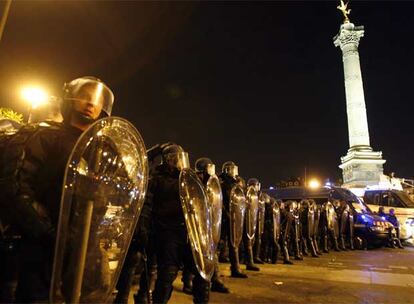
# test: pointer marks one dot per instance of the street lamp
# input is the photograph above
(314, 184)
(34, 96)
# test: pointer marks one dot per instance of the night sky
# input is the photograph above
(259, 83)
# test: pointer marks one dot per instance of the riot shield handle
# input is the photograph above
(76, 291)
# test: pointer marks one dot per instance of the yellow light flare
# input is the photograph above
(35, 96)
(314, 184)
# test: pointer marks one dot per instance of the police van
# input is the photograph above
(402, 205)
(367, 225)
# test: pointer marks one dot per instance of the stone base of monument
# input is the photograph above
(361, 168)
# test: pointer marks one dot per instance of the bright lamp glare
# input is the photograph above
(34, 96)
(314, 184)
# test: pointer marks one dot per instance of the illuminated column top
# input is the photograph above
(348, 40)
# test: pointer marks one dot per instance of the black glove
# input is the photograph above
(32, 219)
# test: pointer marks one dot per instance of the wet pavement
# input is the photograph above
(373, 276)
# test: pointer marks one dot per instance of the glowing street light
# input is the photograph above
(35, 96)
(314, 184)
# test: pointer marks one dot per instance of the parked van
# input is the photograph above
(367, 225)
(400, 202)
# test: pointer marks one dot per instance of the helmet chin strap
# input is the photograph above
(82, 119)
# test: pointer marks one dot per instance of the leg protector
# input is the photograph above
(163, 285)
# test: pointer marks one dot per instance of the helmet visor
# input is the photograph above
(178, 160)
(92, 91)
(211, 169)
(232, 171)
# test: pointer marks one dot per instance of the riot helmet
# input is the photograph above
(205, 165)
(230, 168)
(267, 198)
(90, 90)
(175, 156)
(242, 183)
(255, 183)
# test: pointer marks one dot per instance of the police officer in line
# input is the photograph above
(33, 196)
(329, 227)
(270, 247)
(141, 257)
(316, 231)
(260, 220)
(205, 168)
(248, 244)
(287, 222)
(169, 230)
(307, 218)
(230, 177)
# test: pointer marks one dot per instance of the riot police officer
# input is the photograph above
(33, 202)
(271, 236)
(329, 227)
(205, 168)
(286, 223)
(260, 220)
(307, 217)
(250, 227)
(170, 233)
(229, 178)
(316, 231)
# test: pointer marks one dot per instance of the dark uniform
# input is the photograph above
(170, 234)
(227, 183)
(205, 168)
(34, 206)
(31, 193)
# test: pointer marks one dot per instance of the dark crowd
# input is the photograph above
(188, 220)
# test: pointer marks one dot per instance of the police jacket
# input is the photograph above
(164, 197)
(34, 205)
(227, 183)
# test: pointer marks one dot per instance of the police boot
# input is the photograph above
(216, 284)
(224, 252)
(275, 253)
(163, 286)
(249, 259)
(124, 284)
(315, 245)
(325, 244)
(201, 290)
(235, 266)
(312, 248)
(304, 248)
(351, 243)
(335, 244)
(296, 247)
(342, 245)
(257, 251)
(285, 252)
(187, 280)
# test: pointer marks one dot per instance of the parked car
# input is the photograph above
(367, 225)
(402, 205)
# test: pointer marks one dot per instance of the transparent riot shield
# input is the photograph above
(311, 219)
(237, 212)
(261, 213)
(276, 219)
(331, 219)
(215, 198)
(252, 206)
(103, 193)
(198, 221)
